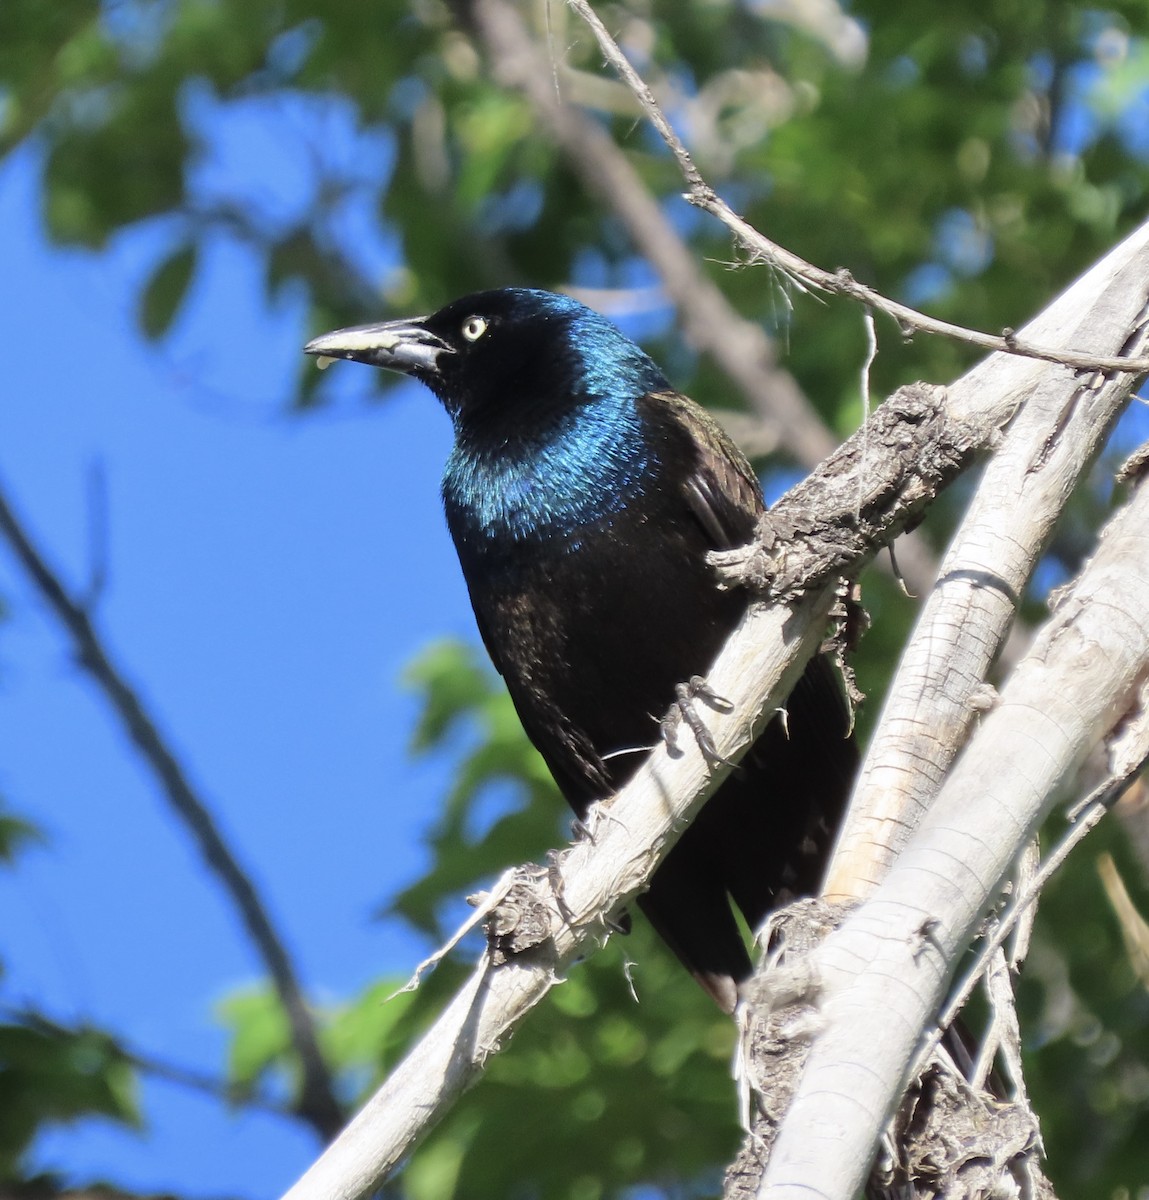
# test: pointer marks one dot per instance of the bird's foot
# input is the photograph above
(555, 879)
(684, 709)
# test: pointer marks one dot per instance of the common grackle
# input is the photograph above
(583, 495)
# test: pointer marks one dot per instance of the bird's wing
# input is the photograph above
(722, 491)
(490, 642)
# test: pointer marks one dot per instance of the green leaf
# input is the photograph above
(166, 290)
(372, 1028)
(51, 1075)
(452, 682)
(261, 1034)
(15, 834)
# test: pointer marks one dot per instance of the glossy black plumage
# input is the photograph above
(583, 495)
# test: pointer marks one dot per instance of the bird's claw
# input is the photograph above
(699, 689)
(555, 879)
(619, 924)
(684, 709)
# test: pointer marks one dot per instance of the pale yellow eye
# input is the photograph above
(474, 328)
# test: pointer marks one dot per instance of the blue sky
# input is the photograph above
(269, 576)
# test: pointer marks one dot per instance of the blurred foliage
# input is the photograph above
(361, 1039)
(502, 798)
(1084, 1015)
(49, 1073)
(624, 1059)
(15, 834)
(969, 159)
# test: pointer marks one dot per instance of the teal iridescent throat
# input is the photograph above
(590, 466)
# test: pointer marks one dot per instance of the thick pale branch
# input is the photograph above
(317, 1102)
(567, 907)
(967, 616)
(882, 976)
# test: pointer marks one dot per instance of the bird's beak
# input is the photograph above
(406, 346)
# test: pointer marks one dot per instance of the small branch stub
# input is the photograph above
(875, 486)
(522, 922)
(956, 1142)
(775, 1020)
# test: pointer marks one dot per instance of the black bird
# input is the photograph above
(583, 495)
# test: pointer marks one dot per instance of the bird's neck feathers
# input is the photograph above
(555, 442)
(547, 477)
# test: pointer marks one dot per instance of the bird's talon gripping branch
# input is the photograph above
(555, 879)
(684, 709)
(668, 731)
(699, 689)
(581, 831)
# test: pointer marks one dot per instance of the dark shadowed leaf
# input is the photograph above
(166, 290)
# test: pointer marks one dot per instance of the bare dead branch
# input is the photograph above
(839, 282)
(882, 975)
(967, 616)
(317, 1104)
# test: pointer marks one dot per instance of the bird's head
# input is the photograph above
(505, 352)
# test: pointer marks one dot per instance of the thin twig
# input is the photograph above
(97, 534)
(840, 282)
(149, 1064)
(486, 904)
(317, 1103)
(1090, 811)
(739, 347)
(1096, 807)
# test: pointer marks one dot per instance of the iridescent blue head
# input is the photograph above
(508, 353)
(543, 393)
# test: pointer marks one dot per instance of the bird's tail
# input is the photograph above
(763, 838)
